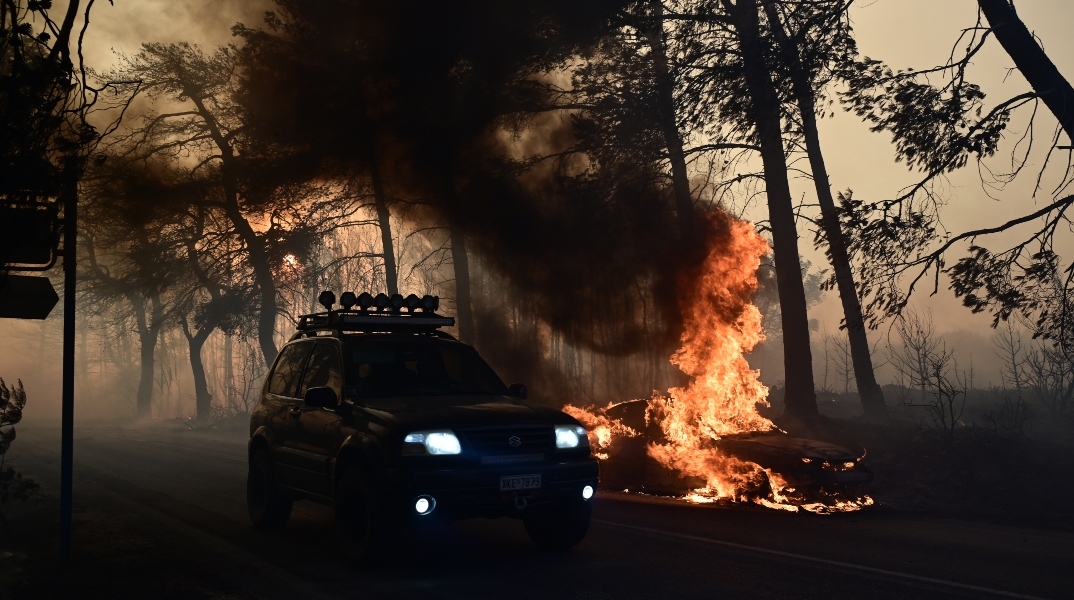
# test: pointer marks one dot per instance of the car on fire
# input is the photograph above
(816, 470)
(375, 411)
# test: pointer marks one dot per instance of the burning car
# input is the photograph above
(767, 467)
(802, 463)
(707, 440)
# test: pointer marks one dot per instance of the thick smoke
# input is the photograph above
(448, 106)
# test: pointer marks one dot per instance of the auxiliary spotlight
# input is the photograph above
(587, 492)
(381, 301)
(430, 303)
(365, 300)
(412, 302)
(327, 299)
(348, 299)
(396, 301)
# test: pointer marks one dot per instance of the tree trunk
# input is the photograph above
(461, 263)
(462, 284)
(229, 370)
(380, 202)
(665, 90)
(872, 396)
(1034, 64)
(800, 398)
(203, 400)
(147, 338)
(255, 244)
(255, 248)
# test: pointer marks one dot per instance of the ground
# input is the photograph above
(160, 513)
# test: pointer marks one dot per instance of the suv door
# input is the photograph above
(319, 429)
(283, 408)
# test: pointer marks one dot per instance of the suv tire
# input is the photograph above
(269, 510)
(558, 527)
(367, 533)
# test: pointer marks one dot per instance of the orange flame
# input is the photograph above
(601, 428)
(721, 325)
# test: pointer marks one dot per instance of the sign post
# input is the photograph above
(28, 238)
(67, 435)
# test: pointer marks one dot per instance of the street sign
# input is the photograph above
(27, 233)
(26, 297)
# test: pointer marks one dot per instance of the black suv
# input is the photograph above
(377, 412)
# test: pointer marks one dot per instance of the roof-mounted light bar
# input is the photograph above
(381, 302)
(381, 313)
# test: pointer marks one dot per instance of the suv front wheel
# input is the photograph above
(560, 526)
(269, 510)
(368, 534)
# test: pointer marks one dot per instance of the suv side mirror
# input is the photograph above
(321, 397)
(518, 390)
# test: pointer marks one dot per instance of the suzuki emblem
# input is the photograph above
(515, 441)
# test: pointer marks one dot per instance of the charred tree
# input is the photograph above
(384, 216)
(255, 244)
(148, 318)
(211, 315)
(872, 397)
(1031, 60)
(667, 119)
(800, 399)
(203, 399)
(128, 279)
(459, 259)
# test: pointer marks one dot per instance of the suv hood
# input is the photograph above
(465, 411)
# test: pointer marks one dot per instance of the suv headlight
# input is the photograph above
(570, 436)
(431, 442)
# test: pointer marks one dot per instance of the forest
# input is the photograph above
(558, 173)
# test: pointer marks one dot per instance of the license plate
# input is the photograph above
(520, 482)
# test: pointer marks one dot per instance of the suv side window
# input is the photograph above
(323, 370)
(288, 369)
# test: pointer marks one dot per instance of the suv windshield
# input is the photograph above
(417, 367)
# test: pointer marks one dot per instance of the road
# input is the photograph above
(188, 488)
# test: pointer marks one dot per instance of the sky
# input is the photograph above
(903, 33)
(920, 33)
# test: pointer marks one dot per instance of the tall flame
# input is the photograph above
(721, 325)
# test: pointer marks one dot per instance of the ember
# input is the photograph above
(721, 325)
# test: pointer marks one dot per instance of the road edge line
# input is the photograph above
(824, 561)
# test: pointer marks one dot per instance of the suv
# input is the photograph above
(378, 413)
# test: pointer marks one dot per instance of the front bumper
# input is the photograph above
(474, 491)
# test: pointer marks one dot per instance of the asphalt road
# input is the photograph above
(188, 488)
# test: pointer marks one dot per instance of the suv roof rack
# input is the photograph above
(379, 314)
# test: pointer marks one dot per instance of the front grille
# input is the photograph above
(530, 439)
(512, 459)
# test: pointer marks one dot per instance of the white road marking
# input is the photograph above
(824, 561)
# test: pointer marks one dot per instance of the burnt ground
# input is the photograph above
(160, 513)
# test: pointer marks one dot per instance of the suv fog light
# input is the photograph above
(587, 492)
(424, 504)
